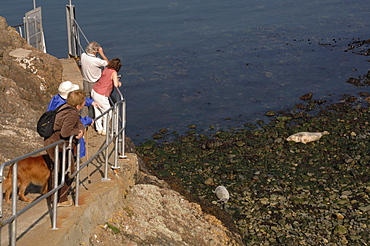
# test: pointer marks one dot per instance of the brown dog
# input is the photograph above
(30, 170)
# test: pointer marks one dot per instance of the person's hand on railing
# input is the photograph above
(96, 104)
(80, 135)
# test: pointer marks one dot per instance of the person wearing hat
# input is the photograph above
(69, 123)
(64, 89)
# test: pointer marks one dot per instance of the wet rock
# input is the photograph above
(365, 209)
(209, 181)
(212, 144)
(338, 216)
(340, 230)
(270, 113)
(306, 96)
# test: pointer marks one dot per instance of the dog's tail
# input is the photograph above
(7, 184)
(8, 179)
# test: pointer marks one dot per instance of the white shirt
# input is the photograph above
(90, 67)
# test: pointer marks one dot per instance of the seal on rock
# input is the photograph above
(305, 137)
(222, 194)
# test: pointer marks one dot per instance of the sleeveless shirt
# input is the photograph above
(104, 86)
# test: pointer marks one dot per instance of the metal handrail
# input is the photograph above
(19, 27)
(115, 130)
(83, 34)
(121, 118)
(13, 218)
(74, 30)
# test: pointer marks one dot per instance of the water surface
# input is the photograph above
(200, 62)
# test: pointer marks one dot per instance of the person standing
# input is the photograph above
(67, 123)
(102, 90)
(91, 69)
(61, 98)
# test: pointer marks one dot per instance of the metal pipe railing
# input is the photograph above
(82, 33)
(12, 220)
(115, 130)
(73, 32)
(121, 121)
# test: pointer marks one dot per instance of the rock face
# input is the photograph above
(28, 79)
(38, 73)
(155, 216)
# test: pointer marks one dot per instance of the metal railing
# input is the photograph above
(74, 31)
(19, 27)
(32, 29)
(115, 134)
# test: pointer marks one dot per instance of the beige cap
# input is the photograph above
(66, 87)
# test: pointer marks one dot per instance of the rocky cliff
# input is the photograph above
(28, 79)
(151, 214)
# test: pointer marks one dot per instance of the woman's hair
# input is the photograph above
(115, 64)
(76, 97)
(92, 47)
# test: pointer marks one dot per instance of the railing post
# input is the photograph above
(122, 154)
(116, 134)
(72, 31)
(107, 147)
(1, 190)
(55, 195)
(78, 154)
(13, 224)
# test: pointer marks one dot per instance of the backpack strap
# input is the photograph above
(61, 111)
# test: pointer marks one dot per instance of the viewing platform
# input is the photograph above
(98, 197)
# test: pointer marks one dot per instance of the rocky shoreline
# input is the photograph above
(282, 193)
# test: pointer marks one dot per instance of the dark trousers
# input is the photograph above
(89, 110)
(63, 192)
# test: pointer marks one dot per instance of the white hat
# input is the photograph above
(66, 87)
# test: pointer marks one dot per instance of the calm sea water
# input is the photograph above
(201, 61)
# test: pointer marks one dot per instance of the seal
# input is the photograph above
(305, 137)
(222, 194)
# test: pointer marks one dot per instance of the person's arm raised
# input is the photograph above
(101, 52)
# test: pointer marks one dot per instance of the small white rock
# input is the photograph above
(222, 194)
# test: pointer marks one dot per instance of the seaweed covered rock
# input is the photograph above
(282, 193)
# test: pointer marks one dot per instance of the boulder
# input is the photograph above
(32, 70)
(28, 79)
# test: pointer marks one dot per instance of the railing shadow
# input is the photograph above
(99, 161)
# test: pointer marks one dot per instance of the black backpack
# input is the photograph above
(45, 125)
